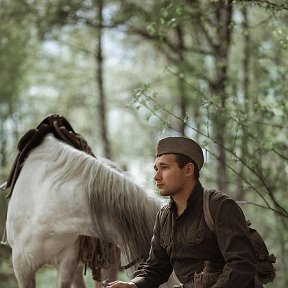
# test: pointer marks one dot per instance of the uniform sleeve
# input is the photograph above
(235, 245)
(157, 268)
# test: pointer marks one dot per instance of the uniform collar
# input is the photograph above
(195, 196)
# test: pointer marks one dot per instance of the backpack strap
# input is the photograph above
(206, 210)
(211, 199)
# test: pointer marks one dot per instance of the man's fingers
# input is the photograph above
(120, 284)
(112, 284)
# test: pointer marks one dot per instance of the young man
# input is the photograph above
(181, 239)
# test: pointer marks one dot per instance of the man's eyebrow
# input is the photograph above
(160, 164)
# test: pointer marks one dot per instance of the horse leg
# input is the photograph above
(78, 280)
(68, 270)
(65, 274)
(24, 273)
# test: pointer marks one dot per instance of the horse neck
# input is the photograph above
(119, 209)
(127, 206)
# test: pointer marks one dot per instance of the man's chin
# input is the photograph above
(163, 193)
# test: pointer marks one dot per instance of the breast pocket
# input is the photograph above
(196, 237)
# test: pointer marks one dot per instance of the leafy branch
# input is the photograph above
(142, 99)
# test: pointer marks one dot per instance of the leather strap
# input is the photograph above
(214, 197)
(206, 210)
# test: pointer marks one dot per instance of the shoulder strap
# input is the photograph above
(215, 197)
(206, 210)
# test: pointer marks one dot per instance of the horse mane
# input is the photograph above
(109, 194)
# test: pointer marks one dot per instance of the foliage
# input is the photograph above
(213, 70)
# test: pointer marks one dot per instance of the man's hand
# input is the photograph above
(120, 284)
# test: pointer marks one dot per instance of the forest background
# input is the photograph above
(127, 73)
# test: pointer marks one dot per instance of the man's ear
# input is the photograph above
(189, 169)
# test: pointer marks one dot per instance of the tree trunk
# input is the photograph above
(100, 84)
(240, 193)
(218, 84)
(181, 80)
(111, 273)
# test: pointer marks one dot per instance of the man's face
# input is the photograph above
(169, 178)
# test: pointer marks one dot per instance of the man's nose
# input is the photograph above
(156, 176)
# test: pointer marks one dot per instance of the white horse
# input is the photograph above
(62, 193)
